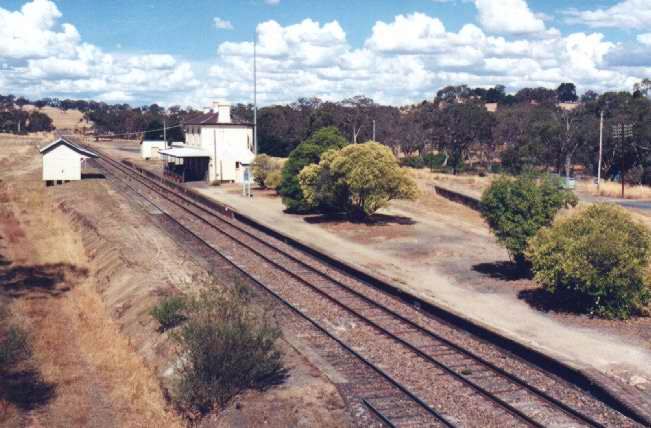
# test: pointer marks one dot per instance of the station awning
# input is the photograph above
(184, 152)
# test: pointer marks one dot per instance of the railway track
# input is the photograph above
(426, 372)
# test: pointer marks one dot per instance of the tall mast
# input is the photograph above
(255, 98)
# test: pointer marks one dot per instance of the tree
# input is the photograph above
(643, 87)
(263, 165)
(39, 122)
(536, 95)
(21, 102)
(589, 96)
(154, 130)
(566, 93)
(627, 149)
(358, 115)
(308, 152)
(357, 180)
(516, 208)
(462, 126)
(454, 94)
(511, 137)
(595, 262)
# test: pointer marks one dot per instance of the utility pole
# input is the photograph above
(373, 129)
(255, 97)
(165, 132)
(601, 147)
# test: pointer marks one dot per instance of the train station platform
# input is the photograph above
(620, 363)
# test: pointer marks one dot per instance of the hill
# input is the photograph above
(63, 119)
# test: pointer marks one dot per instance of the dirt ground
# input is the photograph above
(82, 266)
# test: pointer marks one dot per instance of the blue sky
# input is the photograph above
(395, 51)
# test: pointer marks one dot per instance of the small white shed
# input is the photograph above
(63, 161)
(149, 148)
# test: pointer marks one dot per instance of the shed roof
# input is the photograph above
(152, 141)
(212, 118)
(185, 152)
(54, 144)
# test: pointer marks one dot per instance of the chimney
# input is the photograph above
(224, 110)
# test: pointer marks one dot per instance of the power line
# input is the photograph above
(140, 132)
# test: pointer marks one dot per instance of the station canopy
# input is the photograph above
(178, 153)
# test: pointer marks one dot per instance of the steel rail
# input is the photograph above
(375, 368)
(491, 396)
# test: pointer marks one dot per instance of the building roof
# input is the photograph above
(54, 144)
(185, 152)
(152, 141)
(212, 118)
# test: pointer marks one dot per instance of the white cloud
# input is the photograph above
(272, 2)
(403, 60)
(645, 39)
(508, 16)
(634, 14)
(222, 24)
(45, 58)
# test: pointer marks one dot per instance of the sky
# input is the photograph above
(394, 51)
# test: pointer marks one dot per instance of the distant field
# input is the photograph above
(69, 119)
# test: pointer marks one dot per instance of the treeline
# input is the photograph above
(13, 119)
(552, 129)
(536, 128)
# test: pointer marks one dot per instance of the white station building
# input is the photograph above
(63, 161)
(218, 148)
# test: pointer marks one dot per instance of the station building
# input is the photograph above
(218, 148)
(63, 161)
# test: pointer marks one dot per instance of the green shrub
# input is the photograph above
(308, 152)
(14, 347)
(357, 180)
(413, 162)
(595, 261)
(516, 209)
(263, 166)
(226, 346)
(434, 161)
(272, 181)
(169, 312)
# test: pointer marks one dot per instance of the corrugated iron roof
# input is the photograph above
(185, 152)
(68, 143)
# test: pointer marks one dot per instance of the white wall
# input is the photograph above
(150, 149)
(62, 163)
(214, 139)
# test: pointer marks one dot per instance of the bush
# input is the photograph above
(434, 161)
(413, 162)
(273, 180)
(308, 152)
(357, 180)
(169, 312)
(226, 346)
(516, 209)
(263, 166)
(596, 261)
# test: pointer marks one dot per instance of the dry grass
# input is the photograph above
(613, 189)
(99, 377)
(69, 119)
(472, 183)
